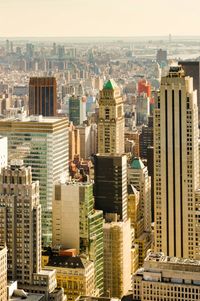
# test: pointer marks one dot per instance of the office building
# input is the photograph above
(142, 108)
(77, 109)
(144, 243)
(139, 206)
(117, 256)
(111, 120)
(129, 147)
(90, 105)
(77, 225)
(42, 142)
(192, 69)
(88, 140)
(146, 137)
(176, 166)
(130, 118)
(142, 239)
(134, 136)
(167, 278)
(139, 178)
(3, 273)
(43, 96)
(110, 184)
(135, 213)
(134, 258)
(20, 229)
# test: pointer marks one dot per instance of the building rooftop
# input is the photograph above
(92, 298)
(110, 155)
(176, 71)
(67, 262)
(29, 297)
(110, 85)
(33, 118)
(160, 257)
(45, 272)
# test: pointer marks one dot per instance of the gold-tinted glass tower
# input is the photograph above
(111, 120)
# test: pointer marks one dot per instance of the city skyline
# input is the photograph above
(97, 18)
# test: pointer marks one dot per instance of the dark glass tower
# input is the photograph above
(42, 96)
(110, 188)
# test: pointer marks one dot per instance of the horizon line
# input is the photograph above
(98, 36)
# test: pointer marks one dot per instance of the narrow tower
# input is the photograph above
(111, 120)
(176, 164)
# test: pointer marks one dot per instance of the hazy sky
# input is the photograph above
(99, 17)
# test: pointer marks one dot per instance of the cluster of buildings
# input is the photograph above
(84, 231)
(100, 194)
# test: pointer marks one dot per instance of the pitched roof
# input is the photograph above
(137, 163)
(110, 85)
(66, 261)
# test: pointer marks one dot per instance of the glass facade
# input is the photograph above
(46, 151)
(74, 110)
(91, 233)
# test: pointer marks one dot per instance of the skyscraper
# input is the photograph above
(110, 184)
(111, 120)
(42, 96)
(192, 68)
(20, 229)
(117, 256)
(140, 210)
(42, 142)
(176, 165)
(77, 110)
(139, 178)
(88, 140)
(76, 224)
(18, 192)
(146, 137)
